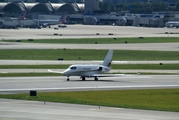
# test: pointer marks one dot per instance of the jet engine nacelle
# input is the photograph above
(103, 68)
(100, 69)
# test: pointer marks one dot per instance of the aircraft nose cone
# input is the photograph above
(65, 73)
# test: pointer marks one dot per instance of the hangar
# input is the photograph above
(69, 8)
(33, 9)
(12, 8)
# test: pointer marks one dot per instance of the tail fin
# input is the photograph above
(22, 16)
(108, 59)
(62, 19)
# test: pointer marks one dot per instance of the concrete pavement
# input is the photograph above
(34, 110)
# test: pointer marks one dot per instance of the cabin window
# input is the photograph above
(86, 68)
(72, 68)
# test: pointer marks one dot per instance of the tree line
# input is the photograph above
(146, 6)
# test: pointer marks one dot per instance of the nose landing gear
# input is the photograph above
(68, 79)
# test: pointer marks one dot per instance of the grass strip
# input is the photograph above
(28, 74)
(147, 66)
(34, 66)
(155, 99)
(104, 40)
(78, 54)
(114, 66)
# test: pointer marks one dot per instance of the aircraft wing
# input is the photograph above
(54, 71)
(111, 75)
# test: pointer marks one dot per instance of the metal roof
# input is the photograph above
(41, 8)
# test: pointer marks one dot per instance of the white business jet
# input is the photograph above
(89, 70)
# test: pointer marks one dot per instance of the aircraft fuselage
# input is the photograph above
(85, 70)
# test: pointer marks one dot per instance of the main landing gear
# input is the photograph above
(83, 78)
(96, 78)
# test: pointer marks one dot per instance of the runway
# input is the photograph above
(25, 84)
(34, 110)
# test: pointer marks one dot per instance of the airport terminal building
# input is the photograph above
(34, 9)
(83, 13)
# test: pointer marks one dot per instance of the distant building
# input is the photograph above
(91, 6)
(172, 5)
(13, 9)
(20, 0)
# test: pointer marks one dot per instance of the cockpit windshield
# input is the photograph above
(73, 68)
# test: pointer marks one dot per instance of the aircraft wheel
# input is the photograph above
(96, 78)
(83, 78)
(68, 79)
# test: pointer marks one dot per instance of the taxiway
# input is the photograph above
(34, 110)
(87, 31)
(136, 46)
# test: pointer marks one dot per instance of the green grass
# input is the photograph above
(104, 40)
(34, 66)
(28, 74)
(75, 54)
(114, 66)
(159, 99)
(147, 66)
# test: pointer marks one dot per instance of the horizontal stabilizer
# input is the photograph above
(114, 62)
(55, 71)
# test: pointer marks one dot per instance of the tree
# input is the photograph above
(119, 7)
(79, 1)
(177, 7)
(105, 7)
(158, 6)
